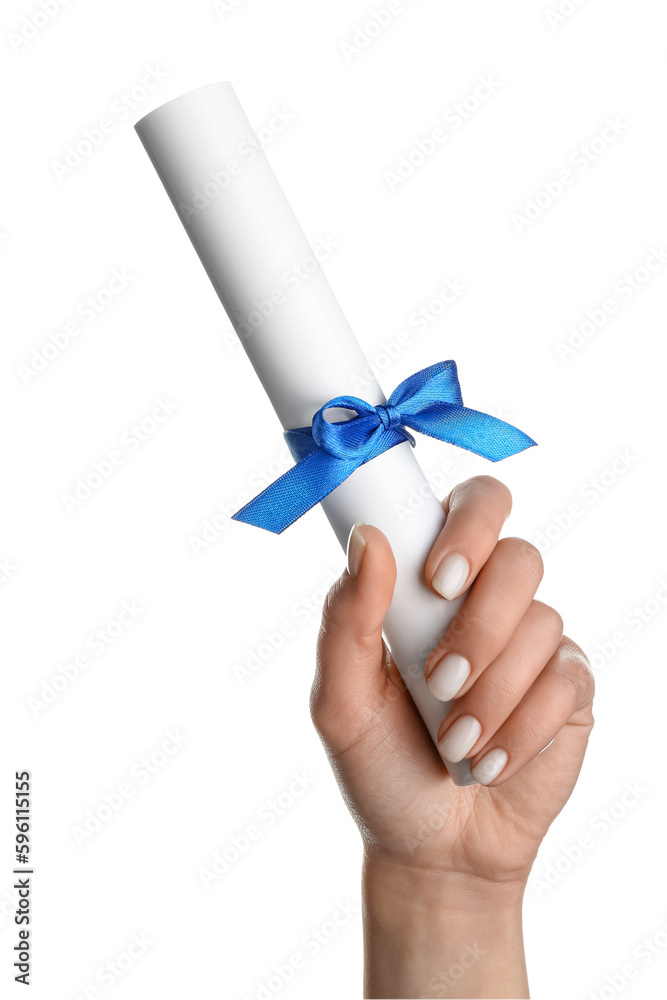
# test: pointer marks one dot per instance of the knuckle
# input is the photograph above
(535, 727)
(491, 629)
(500, 492)
(576, 652)
(550, 621)
(496, 495)
(501, 694)
(572, 664)
(526, 558)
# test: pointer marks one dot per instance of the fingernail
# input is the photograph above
(489, 767)
(450, 575)
(449, 677)
(460, 738)
(355, 549)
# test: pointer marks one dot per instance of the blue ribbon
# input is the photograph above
(328, 452)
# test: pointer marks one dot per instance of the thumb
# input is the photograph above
(350, 651)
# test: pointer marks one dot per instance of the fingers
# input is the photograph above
(559, 699)
(503, 684)
(350, 651)
(487, 620)
(476, 511)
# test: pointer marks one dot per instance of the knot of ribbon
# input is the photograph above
(329, 451)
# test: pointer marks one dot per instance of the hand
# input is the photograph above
(523, 705)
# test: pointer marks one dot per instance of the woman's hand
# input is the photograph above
(519, 686)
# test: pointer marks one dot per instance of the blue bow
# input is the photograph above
(327, 453)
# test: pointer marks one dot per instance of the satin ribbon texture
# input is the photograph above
(328, 452)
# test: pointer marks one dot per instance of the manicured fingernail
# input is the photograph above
(355, 549)
(460, 738)
(489, 767)
(450, 575)
(449, 676)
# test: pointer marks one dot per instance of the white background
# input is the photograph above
(357, 104)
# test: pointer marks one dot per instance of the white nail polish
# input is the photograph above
(451, 575)
(490, 766)
(460, 738)
(449, 677)
(355, 549)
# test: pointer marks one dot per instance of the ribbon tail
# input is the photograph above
(296, 491)
(472, 430)
(300, 442)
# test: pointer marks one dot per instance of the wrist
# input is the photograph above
(442, 890)
(435, 934)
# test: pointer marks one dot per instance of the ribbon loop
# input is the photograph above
(342, 438)
(326, 453)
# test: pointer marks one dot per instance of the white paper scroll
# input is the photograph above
(300, 345)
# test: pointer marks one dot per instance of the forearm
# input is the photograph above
(429, 935)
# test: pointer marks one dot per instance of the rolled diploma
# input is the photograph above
(305, 353)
